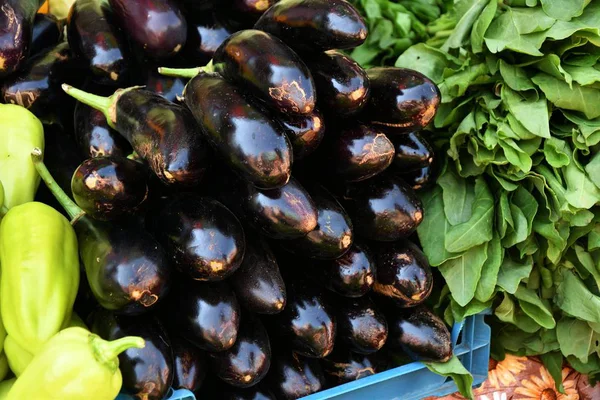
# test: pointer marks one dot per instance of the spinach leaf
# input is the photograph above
(489, 271)
(577, 98)
(503, 33)
(593, 170)
(553, 361)
(564, 10)
(454, 369)
(577, 338)
(463, 273)
(531, 112)
(535, 308)
(458, 195)
(481, 26)
(515, 77)
(513, 272)
(575, 299)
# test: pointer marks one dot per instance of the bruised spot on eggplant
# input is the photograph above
(293, 94)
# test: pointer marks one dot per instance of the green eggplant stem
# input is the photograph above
(74, 211)
(186, 72)
(100, 103)
(107, 352)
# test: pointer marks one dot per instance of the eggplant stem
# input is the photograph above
(186, 72)
(75, 212)
(100, 103)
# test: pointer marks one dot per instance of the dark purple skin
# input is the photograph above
(343, 87)
(16, 29)
(421, 334)
(157, 26)
(258, 284)
(383, 208)
(47, 32)
(148, 372)
(307, 324)
(204, 239)
(95, 37)
(269, 69)
(168, 87)
(193, 7)
(306, 132)
(205, 35)
(315, 25)
(107, 188)
(351, 275)
(190, 365)
(403, 274)
(361, 325)
(401, 99)
(292, 376)
(333, 235)
(421, 178)
(249, 10)
(343, 366)
(413, 152)
(248, 361)
(356, 152)
(231, 123)
(253, 393)
(165, 135)
(208, 314)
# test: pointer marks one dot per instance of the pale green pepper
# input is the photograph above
(20, 131)
(17, 357)
(5, 387)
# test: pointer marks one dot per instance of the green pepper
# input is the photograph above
(3, 366)
(40, 273)
(17, 357)
(5, 387)
(21, 132)
(75, 364)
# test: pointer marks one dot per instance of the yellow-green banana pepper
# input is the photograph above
(5, 387)
(75, 364)
(40, 273)
(20, 131)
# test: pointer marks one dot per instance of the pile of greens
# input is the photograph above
(513, 222)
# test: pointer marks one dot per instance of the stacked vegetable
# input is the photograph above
(251, 223)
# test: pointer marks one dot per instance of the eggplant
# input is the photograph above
(37, 85)
(162, 133)
(147, 372)
(361, 325)
(343, 87)
(246, 138)
(250, 10)
(248, 361)
(258, 284)
(47, 32)
(205, 35)
(333, 235)
(194, 7)
(421, 334)
(403, 273)
(190, 365)
(383, 208)
(304, 131)
(413, 152)
(253, 393)
(315, 25)
(156, 26)
(203, 238)
(107, 188)
(94, 36)
(208, 314)
(356, 152)
(343, 366)
(420, 179)
(292, 376)
(16, 29)
(168, 87)
(307, 324)
(401, 99)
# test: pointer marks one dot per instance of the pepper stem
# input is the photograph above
(100, 103)
(186, 72)
(75, 212)
(3, 211)
(107, 352)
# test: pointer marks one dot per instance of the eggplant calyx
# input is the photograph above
(186, 72)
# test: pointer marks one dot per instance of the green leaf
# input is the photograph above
(531, 113)
(581, 191)
(575, 299)
(468, 11)
(591, 367)
(593, 169)
(513, 272)
(428, 60)
(503, 34)
(481, 25)
(587, 262)
(463, 273)
(553, 362)
(578, 98)
(525, 201)
(458, 195)
(594, 239)
(489, 271)
(515, 155)
(478, 229)
(455, 370)
(504, 217)
(577, 338)
(519, 233)
(556, 152)
(510, 313)
(589, 21)
(583, 75)
(457, 84)
(534, 307)
(530, 20)
(473, 308)
(515, 77)
(564, 10)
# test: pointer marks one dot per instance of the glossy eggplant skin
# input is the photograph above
(258, 283)
(402, 99)
(165, 135)
(306, 132)
(248, 361)
(190, 365)
(345, 366)
(157, 26)
(196, 6)
(307, 324)
(204, 239)
(208, 314)
(126, 268)
(253, 393)
(413, 152)
(343, 87)
(313, 25)
(16, 29)
(333, 235)
(47, 32)
(361, 325)
(403, 273)
(95, 37)
(420, 179)
(292, 376)
(250, 10)
(421, 334)
(356, 152)
(168, 87)
(383, 208)
(107, 188)
(269, 69)
(148, 372)
(205, 35)
(230, 123)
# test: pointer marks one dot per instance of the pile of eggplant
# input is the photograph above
(249, 189)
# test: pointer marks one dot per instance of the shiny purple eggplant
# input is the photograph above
(305, 132)
(205, 34)
(362, 327)
(292, 376)
(343, 366)
(47, 32)
(16, 29)
(190, 365)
